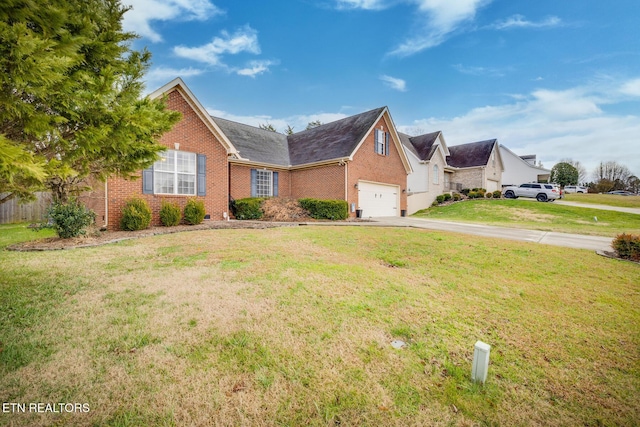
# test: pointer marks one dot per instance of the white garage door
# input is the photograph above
(377, 199)
(492, 185)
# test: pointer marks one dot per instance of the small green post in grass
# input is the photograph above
(480, 362)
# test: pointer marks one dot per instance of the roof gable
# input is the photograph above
(335, 140)
(178, 85)
(470, 155)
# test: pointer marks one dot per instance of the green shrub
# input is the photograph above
(472, 195)
(170, 214)
(440, 198)
(249, 208)
(326, 209)
(456, 197)
(627, 246)
(488, 195)
(465, 191)
(447, 197)
(194, 212)
(69, 219)
(136, 215)
(497, 194)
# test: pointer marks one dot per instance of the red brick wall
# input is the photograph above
(367, 165)
(193, 136)
(241, 181)
(323, 182)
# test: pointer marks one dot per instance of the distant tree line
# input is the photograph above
(607, 176)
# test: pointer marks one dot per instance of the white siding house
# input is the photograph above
(518, 170)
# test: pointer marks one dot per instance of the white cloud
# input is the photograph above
(255, 68)
(480, 71)
(552, 124)
(158, 76)
(144, 12)
(519, 21)
(362, 4)
(631, 87)
(394, 83)
(243, 40)
(439, 19)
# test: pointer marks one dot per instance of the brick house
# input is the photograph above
(477, 165)
(359, 159)
(440, 169)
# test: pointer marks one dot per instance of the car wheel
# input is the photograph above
(541, 197)
(509, 195)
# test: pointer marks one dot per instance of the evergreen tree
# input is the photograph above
(564, 174)
(70, 97)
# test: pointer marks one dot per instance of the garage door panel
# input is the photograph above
(377, 199)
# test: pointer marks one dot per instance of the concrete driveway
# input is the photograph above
(576, 241)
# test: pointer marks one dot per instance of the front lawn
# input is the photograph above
(605, 199)
(537, 216)
(293, 326)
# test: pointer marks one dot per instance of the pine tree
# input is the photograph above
(70, 96)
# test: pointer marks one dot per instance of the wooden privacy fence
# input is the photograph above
(13, 211)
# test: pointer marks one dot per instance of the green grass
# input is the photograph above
(537, 216)
(293, 326)
(16, 233)
(605, 199)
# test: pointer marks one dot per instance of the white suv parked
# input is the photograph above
(540, 192)
(575, 189)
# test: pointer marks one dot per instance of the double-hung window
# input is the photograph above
(175, 173)
(264, 183)
(381, 142)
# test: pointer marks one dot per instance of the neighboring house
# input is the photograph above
(358, 159)
(521, 169)
(427, 154)
(477, 165)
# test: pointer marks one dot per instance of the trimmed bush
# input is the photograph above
(249, 208)
(440, 198)
(627, 246)
(69, 219)
(488, 195)
(194, 212)
(447, 197)
(136, 215)
(472, 195)
(456, 197)
(497, 194)
(465, 191)
(326, 209)
(170, 214)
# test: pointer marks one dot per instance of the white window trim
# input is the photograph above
(436, 175)
(380, 142)
(268, 180)
(176, 173)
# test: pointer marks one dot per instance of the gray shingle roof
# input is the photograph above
(332, 140)
(470, 155)
(256, 144)
(326, 142)
(423, 146)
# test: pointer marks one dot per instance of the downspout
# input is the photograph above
(106, 203)
(346, 182)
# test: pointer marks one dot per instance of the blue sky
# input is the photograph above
(560, 79)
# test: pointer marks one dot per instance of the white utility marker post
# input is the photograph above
(480, 362)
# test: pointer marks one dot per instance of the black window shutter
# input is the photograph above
(202, 175)
(254, 184)
(147, 181)
(275, 184)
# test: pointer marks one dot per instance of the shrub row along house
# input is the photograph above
(362, 159)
